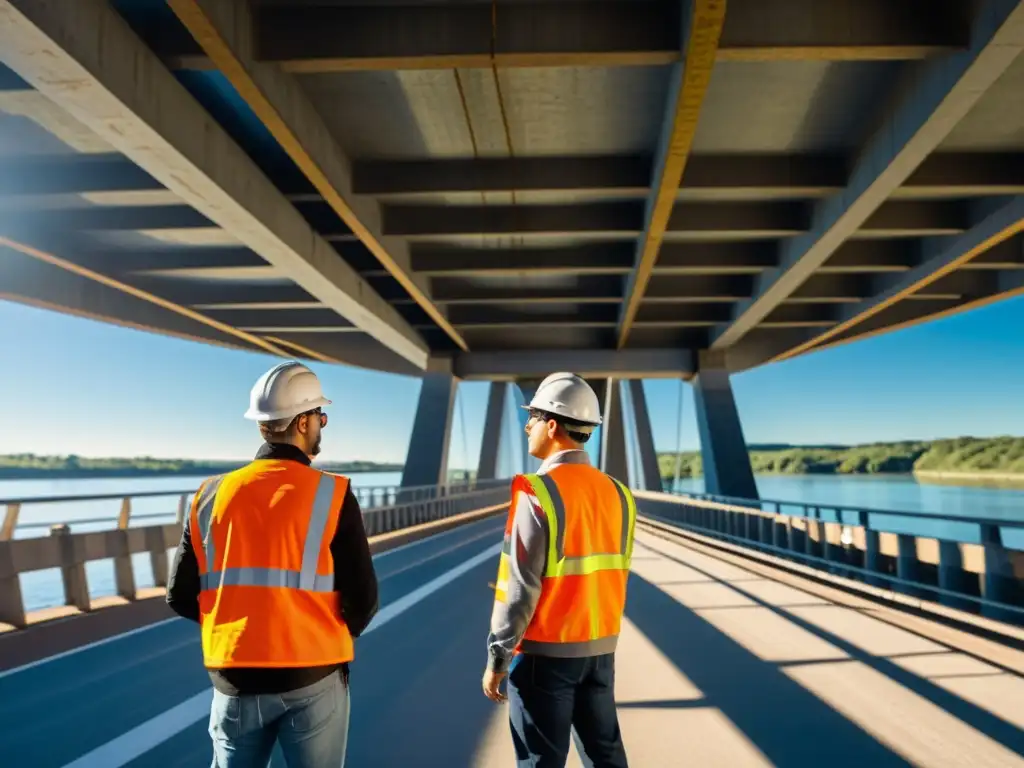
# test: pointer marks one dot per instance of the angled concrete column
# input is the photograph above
(727, 470)
(426, 463)
(527, 388)
(487, 468)
(650, 472)
(613, 434)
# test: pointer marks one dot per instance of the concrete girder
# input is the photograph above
(328, 39)
(98, 70)
(588, 363)
(27, 280)
(227, 31)
(703, 220)
(944, 93)
(708, 176)
(998, 227)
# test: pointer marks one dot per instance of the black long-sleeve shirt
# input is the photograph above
(355, 581)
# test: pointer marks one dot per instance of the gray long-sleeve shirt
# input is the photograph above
(527, 561)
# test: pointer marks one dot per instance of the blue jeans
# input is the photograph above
(551, 698)
(310, 724)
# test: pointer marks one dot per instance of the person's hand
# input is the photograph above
(491, 684)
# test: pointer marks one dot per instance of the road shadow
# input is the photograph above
(786, 722)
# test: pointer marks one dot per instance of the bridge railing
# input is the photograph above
(385, 509)
(973, 563)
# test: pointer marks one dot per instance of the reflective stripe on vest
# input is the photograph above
(558, 564)
(305, 579)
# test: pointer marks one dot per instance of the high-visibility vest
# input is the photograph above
(591, 519)
(262, 537)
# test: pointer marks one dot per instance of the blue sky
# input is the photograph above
(71, 385)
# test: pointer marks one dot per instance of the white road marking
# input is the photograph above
(142, 738)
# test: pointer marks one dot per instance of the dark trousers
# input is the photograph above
(549, 697)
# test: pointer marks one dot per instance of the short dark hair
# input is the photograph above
(279, 428)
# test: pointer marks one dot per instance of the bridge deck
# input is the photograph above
(719, 664)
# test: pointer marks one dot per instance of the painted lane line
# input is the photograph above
(165, 622)
(142, 738)
(432, 537)
(493, 533)
(403, 604)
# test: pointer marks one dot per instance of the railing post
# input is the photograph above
(812, 532)
(906, 563)
(157, 554)
(72, 569)
(10, 521)
(952, 575)
(12, 606)
(871, 551)
(999, 582)
(124, 576)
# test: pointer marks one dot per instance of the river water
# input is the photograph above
(42, 589)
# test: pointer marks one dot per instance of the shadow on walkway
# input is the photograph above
(997, 729)
(790, 725)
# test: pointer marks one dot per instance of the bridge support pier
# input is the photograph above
(649, 471)
(613, 433)
(426, 462)
(727, 470)
(494, 427)
(527, 388)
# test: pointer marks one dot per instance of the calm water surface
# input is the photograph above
(42, 589)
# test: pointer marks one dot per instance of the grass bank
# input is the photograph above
(962, 457)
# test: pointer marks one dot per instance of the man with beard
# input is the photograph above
(275, 567)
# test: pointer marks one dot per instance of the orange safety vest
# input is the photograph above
(591, 519)
(262, 537)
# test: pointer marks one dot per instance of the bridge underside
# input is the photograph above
(495, 190)
(636, 189)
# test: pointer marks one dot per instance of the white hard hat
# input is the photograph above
(284, 391)
(566, 394)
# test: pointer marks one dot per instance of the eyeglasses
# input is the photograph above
(320, 413)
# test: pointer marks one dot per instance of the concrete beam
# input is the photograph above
(711, 177)
(426, 462)
(702, 22)
(227, 32)
(322, 38)
(754, 220)
(588, 363)
(30, 281)
(942, 95)
(727, 470)
(85, 58)
(998, 227)
(494, 427)
(649, 469)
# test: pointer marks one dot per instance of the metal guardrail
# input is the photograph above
(369, 497)
(848, 514)
(977, 573)
(401, 508)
